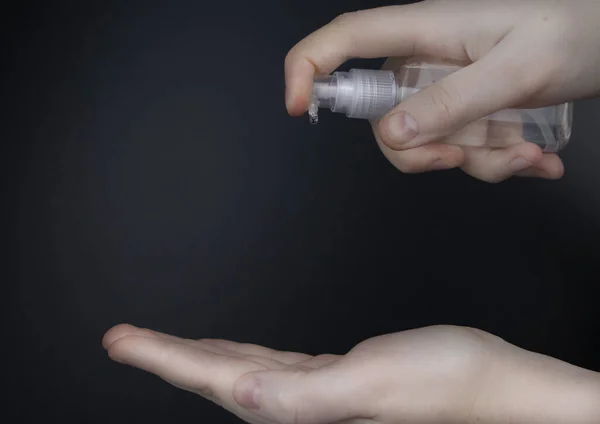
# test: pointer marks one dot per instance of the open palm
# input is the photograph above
(414, 376)
(207, 367)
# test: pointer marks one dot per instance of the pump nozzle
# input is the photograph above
(360, 93)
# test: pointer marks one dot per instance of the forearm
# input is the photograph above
(539, 389)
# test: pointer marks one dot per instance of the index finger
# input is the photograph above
(409, 30)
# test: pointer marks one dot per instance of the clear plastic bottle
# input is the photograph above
(371, 94)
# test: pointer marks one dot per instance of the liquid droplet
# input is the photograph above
(313, 111)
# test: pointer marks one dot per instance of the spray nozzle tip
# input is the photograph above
(313, 110)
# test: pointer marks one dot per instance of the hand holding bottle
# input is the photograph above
(515, 54)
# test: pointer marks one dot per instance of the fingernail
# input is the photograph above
(401, 127)
(247, 394)
(519, 164)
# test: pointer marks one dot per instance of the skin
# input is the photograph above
(516, 53)
(439, 374)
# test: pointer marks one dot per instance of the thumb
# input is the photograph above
(300, 397)
(461, 98)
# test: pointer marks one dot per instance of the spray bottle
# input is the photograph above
(371, 94)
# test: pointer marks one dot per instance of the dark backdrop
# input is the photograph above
(152, 176)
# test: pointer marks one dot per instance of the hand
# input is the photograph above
(435, 374)
(530, 53)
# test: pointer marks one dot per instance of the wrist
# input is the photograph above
(530, 388)
(566, 395)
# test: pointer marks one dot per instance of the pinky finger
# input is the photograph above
(550, 168)
(496, 165)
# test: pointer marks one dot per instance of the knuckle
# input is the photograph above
(344, 18)
(496, 180)
(408, 166)
(290, 58)
(345, 27)
(526, 84)
(528, 79)
(205, 391)
(170, 352)
(447, 102)
(549, 73)
(326, 356)
(489, 177)
(293, 407)
(292, 411)
(144, 332)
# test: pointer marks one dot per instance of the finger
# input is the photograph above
(496, 165)
(432, 157)
(508, 131)
(303, 397)
(187, 367)
(425, 29)
(320, 361)
(550, 168)
(485, 133)
(123, 330)
(288, 358)
(461, 98)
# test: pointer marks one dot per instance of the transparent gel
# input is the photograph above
(371, 94)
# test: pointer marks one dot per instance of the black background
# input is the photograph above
(151, 175)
